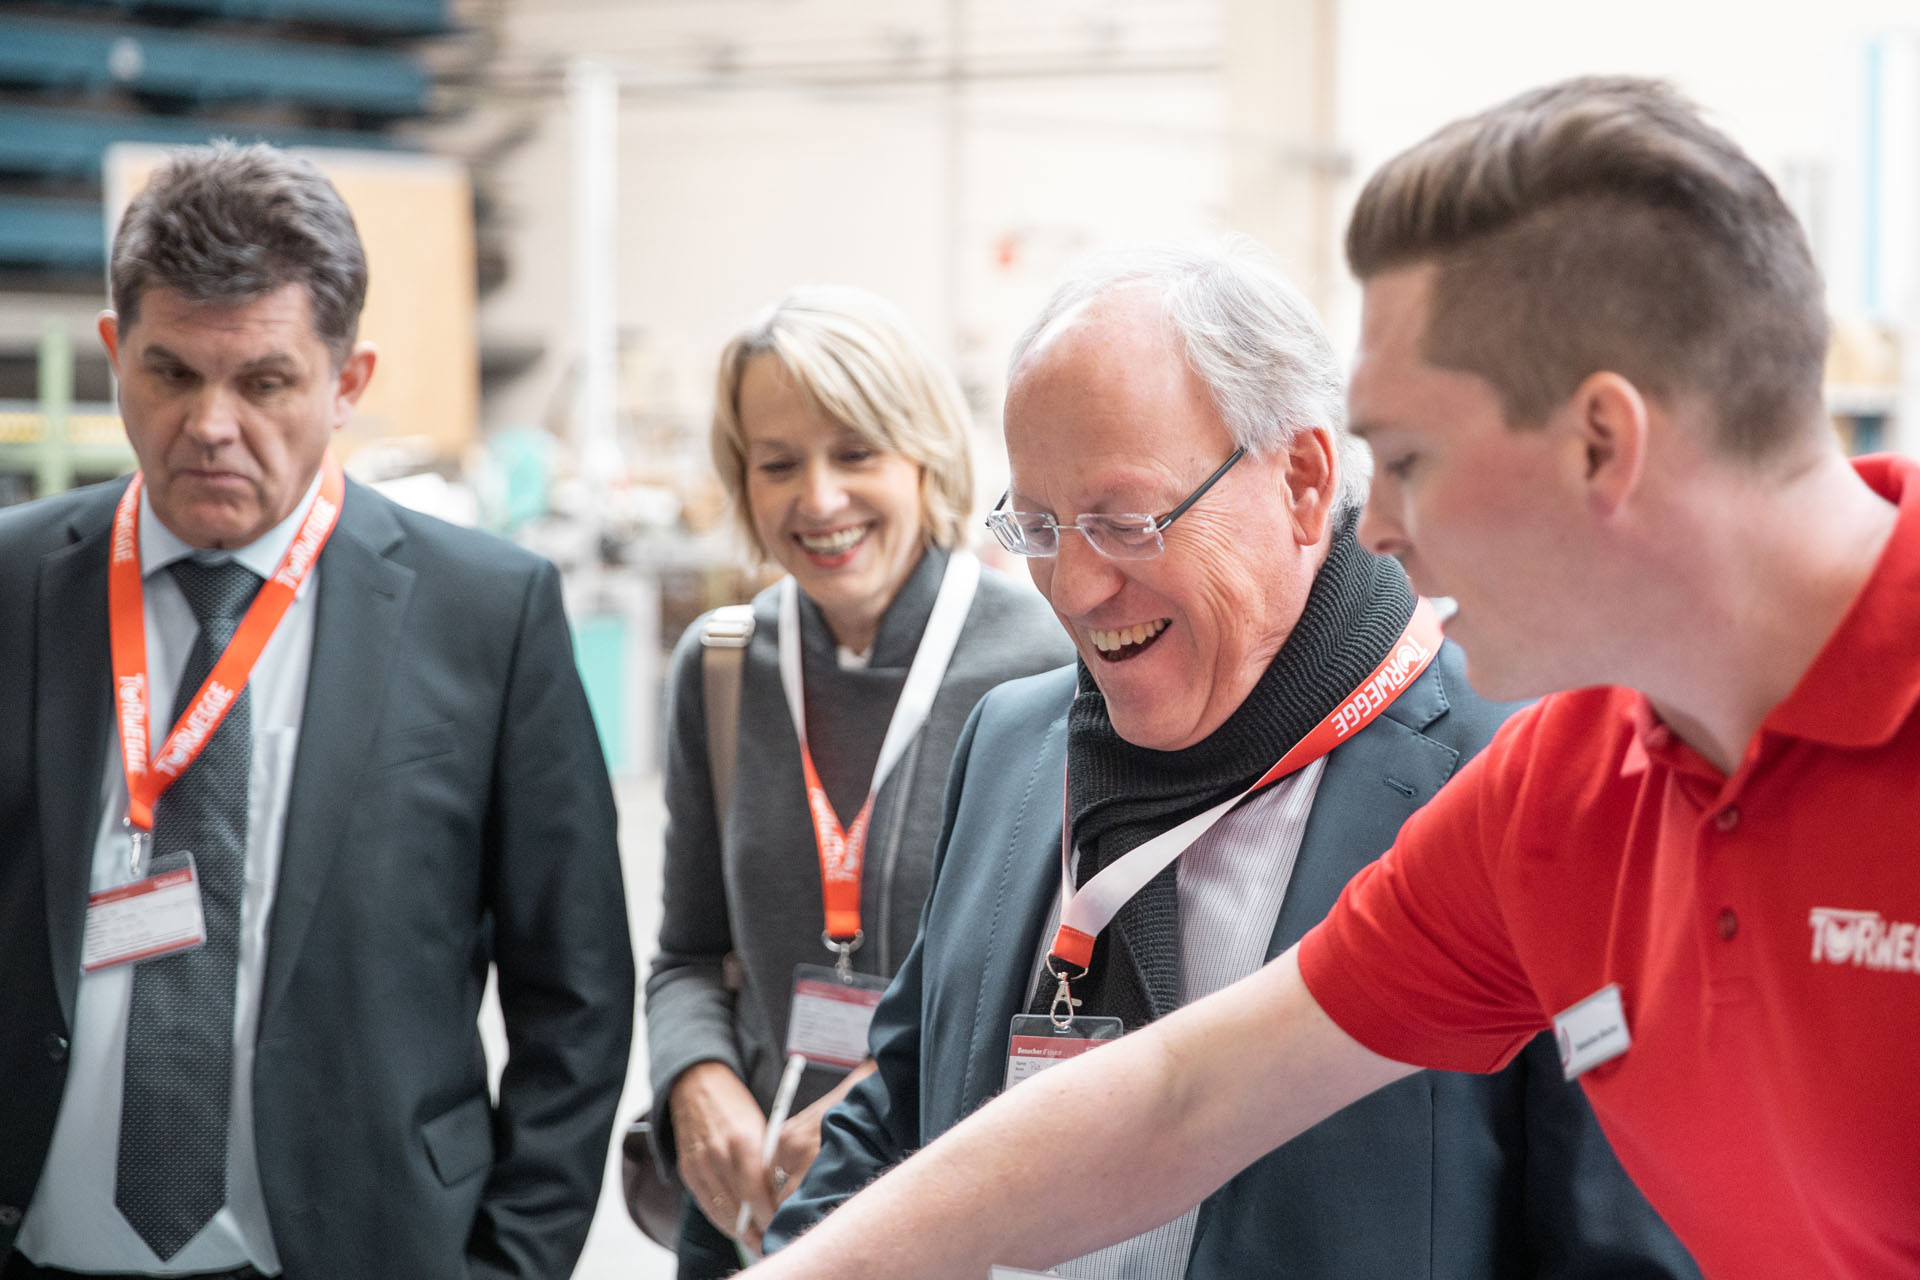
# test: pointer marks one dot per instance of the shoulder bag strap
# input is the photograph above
(723, 642)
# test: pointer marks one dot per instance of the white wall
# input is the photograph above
(1784, 77)
(964, 208)
(961, 206)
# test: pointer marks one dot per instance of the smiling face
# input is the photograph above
(1104, 415)
(839, 513)
(1474, 508)
(228, 407)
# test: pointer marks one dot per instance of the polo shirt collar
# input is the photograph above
(1865, 680)
(160, 547)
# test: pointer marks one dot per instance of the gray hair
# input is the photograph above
(227, 224)
(1248, 334)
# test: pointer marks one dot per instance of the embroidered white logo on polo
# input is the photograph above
(1864, 939)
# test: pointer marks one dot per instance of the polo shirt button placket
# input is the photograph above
(1726, 923)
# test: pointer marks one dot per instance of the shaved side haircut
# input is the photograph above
(1603, 224)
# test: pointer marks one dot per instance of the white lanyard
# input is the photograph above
(1085, 912)
(843, 851)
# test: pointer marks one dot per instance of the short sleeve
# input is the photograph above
(1415, 960)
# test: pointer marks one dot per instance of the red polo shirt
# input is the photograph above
(1762, 929)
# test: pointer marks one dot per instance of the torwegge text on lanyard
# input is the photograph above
(843, 850)
(1083, 914)
(126, 604)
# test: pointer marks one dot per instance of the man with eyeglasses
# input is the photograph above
(1258, 705)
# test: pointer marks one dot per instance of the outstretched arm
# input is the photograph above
(1145, 1128)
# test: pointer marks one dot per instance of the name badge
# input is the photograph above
(831, 1014)
(1036, 1043)
(1591, 1032)
(155, 915)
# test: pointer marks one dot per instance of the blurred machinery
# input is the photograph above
(80, 77)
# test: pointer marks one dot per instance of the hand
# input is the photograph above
(800, 1137)
(718, 1130)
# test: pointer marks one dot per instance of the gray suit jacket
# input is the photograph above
(449, 809)
(1439, 1175)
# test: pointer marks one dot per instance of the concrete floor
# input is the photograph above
(615, 1248)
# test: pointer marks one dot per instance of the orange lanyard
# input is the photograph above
(842, 855)
(126, 612)
(1084, 913)
(843, 850)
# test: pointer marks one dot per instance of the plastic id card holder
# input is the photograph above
(830, 1015)
(1037, 1043)
(1591, 1031)
(156, 915)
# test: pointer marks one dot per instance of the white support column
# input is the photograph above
(593, 104)
(1286, 164)
(1903, 153)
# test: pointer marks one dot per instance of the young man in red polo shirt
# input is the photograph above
(1590, 372)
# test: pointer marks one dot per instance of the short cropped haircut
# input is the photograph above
(855, 358)
(1603, 224)
(226, 224)
(1250, 337)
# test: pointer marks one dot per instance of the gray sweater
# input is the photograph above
(757, 894)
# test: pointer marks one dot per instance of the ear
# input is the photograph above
(109, 327)
(1312, 478)
(1609, 421)
(356, 371)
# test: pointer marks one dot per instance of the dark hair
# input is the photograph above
(226, 223)
(1602, 224)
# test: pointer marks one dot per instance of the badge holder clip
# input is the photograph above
(1064, 1004)
(843, 949)
(139, 849)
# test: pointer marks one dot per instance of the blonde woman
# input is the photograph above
(844, 446)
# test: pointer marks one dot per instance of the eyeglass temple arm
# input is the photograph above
(1162, 522)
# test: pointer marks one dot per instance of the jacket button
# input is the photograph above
(1728, 818)
(1728, 924)
(56, 1046)
(9, 1216)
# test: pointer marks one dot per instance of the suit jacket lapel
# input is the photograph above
(1032, 884)
(73, 730)
(1371, 785)
(362, 599)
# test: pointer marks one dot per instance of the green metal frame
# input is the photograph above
(55, 447)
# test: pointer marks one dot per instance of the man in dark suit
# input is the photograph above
(388, 784)
(1213, 639)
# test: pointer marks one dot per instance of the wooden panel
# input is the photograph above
(415, 215)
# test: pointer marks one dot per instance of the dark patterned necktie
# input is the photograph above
(172, 1170)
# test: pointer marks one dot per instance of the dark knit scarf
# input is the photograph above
(1123, 795)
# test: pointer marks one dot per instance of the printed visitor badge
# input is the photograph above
(155, 915)
(1591, 1032)
(1036, 1043)
(831, 1013)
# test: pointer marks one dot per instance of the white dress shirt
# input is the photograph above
(1232, 881)
(72, 1223)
